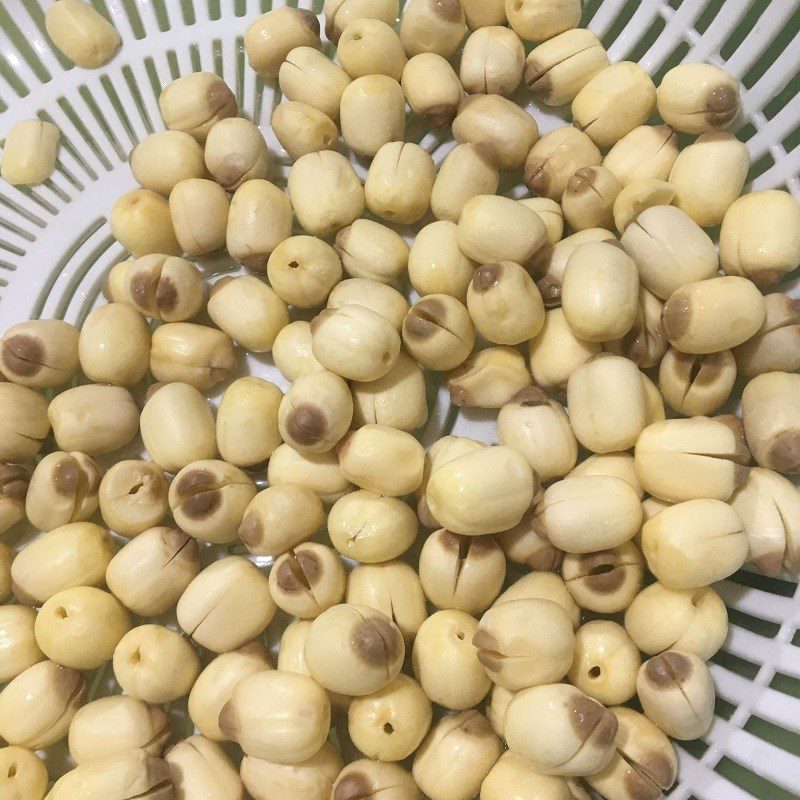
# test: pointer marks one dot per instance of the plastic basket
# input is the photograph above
(56, 248)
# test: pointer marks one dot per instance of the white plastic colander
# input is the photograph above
(56, 248)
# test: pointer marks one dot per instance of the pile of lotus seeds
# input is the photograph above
(522, 620)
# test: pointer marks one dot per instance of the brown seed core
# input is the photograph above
(23, 355)
(306, 424)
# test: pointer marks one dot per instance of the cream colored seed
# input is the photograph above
(486, 491)
(177, 427)
(499, 123)
(770, 413)
(768, 505)
(377, 777)
(114, 777)
(208, 499)
(708, 177)
(334, 332)
(551, 214)
(200, 766)
(670, 250)
(776, 346)
(456, 756)
(556, 352)
(227, 604)
(247, 421)
(14, 482)
(696, 384)
(248, 311)
(517, 654)
(493, 228)
(325, 191)
(371, 47)
(373, 113)
(555, 158)
(165, 158)
(151, 571)
(199, 211)
(600, 292)
(556, 70)
(492, 61)
(141, 222)
(689, 620)
(399, 182)
(272, 36)
(236, 152)
(436, 265)
(550, 263)
(390, 724)
(292, 353)
(378, 297)
(606, 662)
(81, 626)
(371, 250)
(690, 459)
(432, 26)
(311, 77)
(195, 354)
(280, 517)
(432, 88)
(606, 404)
(372, 528)
(40, 353)
(480, 13)
(81, 33)
(30, 152)
(539, 428)
(23, 775)
(341, 654)
(543, 586)
(640, 747)
(540, 726)
(114, 345)
(63, 489)
(398, 399)
(588, 514)
(694, 544)
(312, 779)
(307, 580)
(94, 419)
(760, 237)
(696, 98)
(462, 573)
(614, 102)
(618, 465)
(382, 460)
(302, 270)
(316, 412)
(319, 472)
(302, 129)
(133, 497)
(277, 716)
(489, 378)
(606, 581)
(165, 288)
(215, 684)
(445, 662)
(38, 705)
(589, 197)
(505, 304)
(713, 315)
(467, 171)
(195, 102)
(676, 691)
(21, 650)
(648, 151)
(638, 196)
